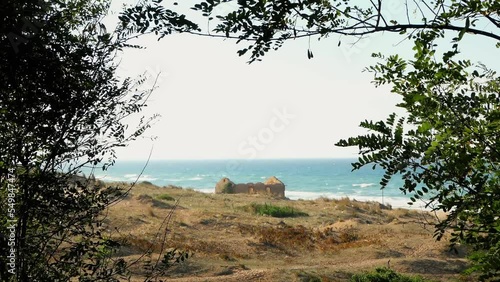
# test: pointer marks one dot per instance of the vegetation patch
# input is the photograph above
(228, 188)
(384, 274)
(165, 197)
(351, 204)
(170, 186)
(231, 270)
(275, 211)
(308, 277)
(154, 202)
(287, 238)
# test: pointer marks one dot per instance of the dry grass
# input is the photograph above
(339, 237)
(273, 210)
(291, 239)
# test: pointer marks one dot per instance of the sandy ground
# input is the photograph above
(227, 241)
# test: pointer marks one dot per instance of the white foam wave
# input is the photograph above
(184, 179)
(194, 178)
(205, 190)
(131, 175)
(363, 185)
(395, 202)
(146, 177)
(108, 178)
(296, 195)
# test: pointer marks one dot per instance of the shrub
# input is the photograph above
(483, 263)
(276, 211)
(228, 188)
(287, 237)
(308, 277)
(384, 274)
(165, 197)
(348, 234)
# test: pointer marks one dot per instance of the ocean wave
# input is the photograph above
(205, 190)
(146, 177)
(296, 195)
(363, 185)
(194, 178)
(395, 202)
(126, 178)
(109, 178)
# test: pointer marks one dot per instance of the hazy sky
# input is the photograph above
(213, 105)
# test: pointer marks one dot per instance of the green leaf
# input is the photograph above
(425, 127)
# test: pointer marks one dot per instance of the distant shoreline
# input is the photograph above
(394, 202)
(307, 179)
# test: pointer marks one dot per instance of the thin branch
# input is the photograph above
(442, 7)
(430, 9)
(311, 33)
(495, 22)
(125, 194)
(406, 38)
(354, 18)
(407, 12)
(420, 9)
(378, 7)
(166, 223)
(355, 31)
(445, 27)
(151, 89)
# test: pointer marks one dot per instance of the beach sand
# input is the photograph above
(229, 242)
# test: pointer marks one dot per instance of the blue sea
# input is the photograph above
(303, 178)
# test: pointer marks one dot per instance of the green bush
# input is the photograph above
(483, 263)
(384, 274)
(228, 188)
(165, 197)
(308, 277)
(276, 211)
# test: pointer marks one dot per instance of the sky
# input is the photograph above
(214, 105)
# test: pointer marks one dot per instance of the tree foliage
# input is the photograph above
(446, 148)
(62, 109)
(267, 25)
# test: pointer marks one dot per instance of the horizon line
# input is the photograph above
(242, 159)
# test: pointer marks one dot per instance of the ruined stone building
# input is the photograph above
(272, 186)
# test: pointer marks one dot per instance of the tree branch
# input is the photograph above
(379, 14)
(354, 30)
(495, 22)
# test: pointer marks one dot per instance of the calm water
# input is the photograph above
(304, 178)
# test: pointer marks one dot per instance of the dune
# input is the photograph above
(329, 240)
